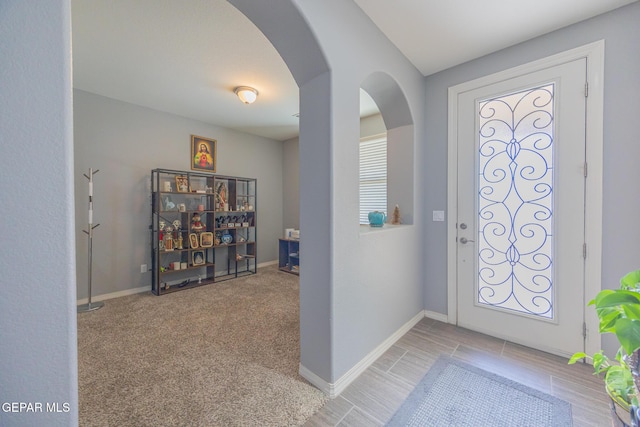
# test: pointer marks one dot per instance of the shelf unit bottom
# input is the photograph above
(179, 287)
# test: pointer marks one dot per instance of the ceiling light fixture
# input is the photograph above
(246, 94)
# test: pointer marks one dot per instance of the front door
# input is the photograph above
(521, 202)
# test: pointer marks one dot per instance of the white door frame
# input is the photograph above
(594, 52)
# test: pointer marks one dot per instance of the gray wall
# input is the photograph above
(372, 125)
(621, 31)
(377, 278)
(125, 142)
(38, 341)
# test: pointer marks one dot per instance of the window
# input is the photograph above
(373, 176)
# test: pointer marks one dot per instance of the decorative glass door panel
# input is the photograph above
(520, 207)
(515, 201)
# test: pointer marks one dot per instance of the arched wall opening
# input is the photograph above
(352, 304)
(396, 114)
(309, 68)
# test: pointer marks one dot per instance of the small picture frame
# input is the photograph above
(203, 154)
(206, 239)
(182, 184)
(198, 258)
(193, 241)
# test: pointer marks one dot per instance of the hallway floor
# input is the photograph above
(373, 398)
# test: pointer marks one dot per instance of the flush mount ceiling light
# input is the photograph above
(246, 94)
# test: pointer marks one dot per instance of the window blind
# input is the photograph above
(373, 176)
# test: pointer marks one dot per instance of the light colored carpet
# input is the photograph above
(456, 394)
(225, 354)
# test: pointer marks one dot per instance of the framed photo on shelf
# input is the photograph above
(203, 154)
(193, 241)
(206, 239)
(198, 258)
(182, 184)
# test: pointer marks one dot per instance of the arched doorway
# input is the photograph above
(278, 21)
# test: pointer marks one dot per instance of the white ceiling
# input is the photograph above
(185, 57)
(436, 34)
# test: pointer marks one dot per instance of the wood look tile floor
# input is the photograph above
(378, 392)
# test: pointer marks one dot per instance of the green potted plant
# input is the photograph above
(619, 313)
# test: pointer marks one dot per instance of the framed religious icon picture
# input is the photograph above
(206, 239)
(203, 154)
(193, 241)
(198, 258)
(182, 183)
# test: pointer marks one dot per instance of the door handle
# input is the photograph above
(464, 240)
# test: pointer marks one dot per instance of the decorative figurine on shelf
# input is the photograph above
(168, 204)
(227, 238)
(218, 238)
(180, 241)
(168, 238)
(221, 192)
(395, 218)
(196, 225)
(161, 225)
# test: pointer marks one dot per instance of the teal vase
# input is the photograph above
(377, 218)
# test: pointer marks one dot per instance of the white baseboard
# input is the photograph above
(333, 390)
(118, 294)
(268, 263)
(141, 289)
(320, 384)
(436, 316)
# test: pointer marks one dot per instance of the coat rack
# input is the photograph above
(90, 306)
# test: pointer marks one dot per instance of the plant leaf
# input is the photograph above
(608, 318)
(610, 298)
(600, 363)
(576, 357)
(631, 280)
(620, 381)
(631, 311)
(628, 333)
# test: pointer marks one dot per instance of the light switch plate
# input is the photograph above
(438, 216)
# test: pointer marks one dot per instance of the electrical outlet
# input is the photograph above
(143, 268)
